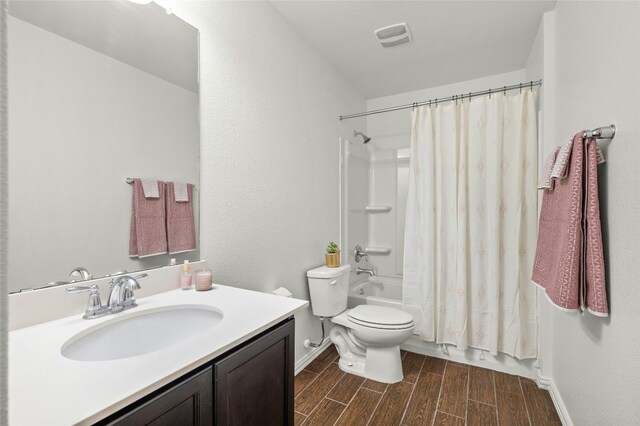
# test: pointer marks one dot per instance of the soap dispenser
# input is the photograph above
(186, 279)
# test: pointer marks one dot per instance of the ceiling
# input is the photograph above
(143, 36)
(452, 40)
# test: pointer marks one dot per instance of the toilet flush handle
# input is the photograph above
(333, 282)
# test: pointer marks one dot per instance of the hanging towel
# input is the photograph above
(569, 262)
(180, 191)
(561, 165)
(595, 289)
(148, 236)
(545, 181)
(181, 231)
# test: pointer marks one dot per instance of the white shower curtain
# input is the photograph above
(471, 223)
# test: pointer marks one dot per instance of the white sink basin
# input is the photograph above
(141, 333)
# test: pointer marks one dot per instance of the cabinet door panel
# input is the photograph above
(187, 403)
(254, 385)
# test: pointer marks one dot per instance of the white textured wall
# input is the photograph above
(80, 122)
(596, 361)
(540, 65)
(3, 213)
(269, 145)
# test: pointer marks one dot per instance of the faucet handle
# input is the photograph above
(82, 289)
(359, 253)
(94, 305)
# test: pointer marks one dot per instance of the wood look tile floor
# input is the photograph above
(433, 392)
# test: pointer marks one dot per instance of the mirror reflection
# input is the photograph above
(98, 92)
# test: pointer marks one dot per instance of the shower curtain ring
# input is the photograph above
(436, 102)
(469, 97)
(531, 85)
(520, 87)
(505, 90)
(489, 93)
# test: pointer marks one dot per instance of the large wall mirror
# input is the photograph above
(99, 91)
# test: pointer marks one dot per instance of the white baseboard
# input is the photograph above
(311, 355)
(550, 385)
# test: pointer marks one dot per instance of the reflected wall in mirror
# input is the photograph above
(98, 92)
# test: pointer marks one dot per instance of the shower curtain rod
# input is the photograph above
(530, 85)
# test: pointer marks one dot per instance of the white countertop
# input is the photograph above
(46, 388)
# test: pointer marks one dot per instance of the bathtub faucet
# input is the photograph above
(360, 270)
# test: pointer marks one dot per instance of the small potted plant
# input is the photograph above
(333, 255)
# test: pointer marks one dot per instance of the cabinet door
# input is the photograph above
(189, 402)
(254, 385)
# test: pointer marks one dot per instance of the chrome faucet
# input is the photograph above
(120, 296)
(370, 271)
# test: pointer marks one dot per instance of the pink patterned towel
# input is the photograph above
(545, 181)
(148, 236)
(569, 262)
(181, 230)
(561, 166)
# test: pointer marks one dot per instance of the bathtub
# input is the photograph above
(383, 291)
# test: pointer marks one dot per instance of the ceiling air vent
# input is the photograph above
(393, 35)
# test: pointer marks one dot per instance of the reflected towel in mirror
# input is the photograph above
(181, 232)
(148, 236)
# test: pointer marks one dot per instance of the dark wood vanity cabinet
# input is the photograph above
(189, 402)
(254, 384)
(251, 384)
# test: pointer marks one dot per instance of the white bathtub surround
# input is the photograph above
(82, 392)
(471, 220)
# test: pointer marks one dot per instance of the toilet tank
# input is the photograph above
(329, 289)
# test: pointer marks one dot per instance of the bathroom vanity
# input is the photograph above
(251, 384)
(237, 369)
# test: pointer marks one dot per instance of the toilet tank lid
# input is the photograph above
(324, 272)
(382, 315)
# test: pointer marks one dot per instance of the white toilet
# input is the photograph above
(367, 337)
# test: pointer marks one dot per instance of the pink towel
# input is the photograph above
(181, 230)
(569, 263)
(545, 181)
(148, 236)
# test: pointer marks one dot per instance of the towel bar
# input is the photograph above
(130, 182)
(607, 132)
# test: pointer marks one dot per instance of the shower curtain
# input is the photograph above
(471, 223)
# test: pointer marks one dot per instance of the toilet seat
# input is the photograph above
(380, 317)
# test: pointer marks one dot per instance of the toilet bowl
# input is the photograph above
(367, 337)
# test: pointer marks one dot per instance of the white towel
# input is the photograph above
(150, 188)
(181, 192)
